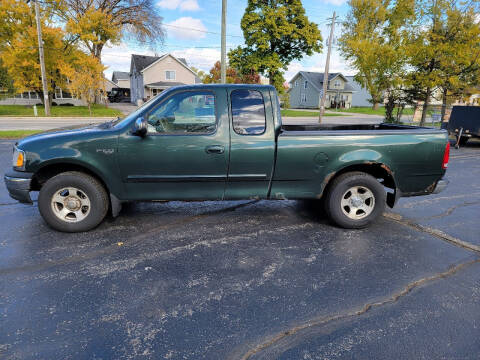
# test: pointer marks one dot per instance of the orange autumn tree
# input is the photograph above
(85, 77)
(19, 48)
(233, 76)
(21, 59)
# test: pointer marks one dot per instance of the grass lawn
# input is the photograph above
(299, 113)
(17, 134)
(370, 111)
(23, 110)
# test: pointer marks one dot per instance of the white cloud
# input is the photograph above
(169, 4)
(335, 2)
(202, 59)
(116, 58)
(186, 28)
(189, 5)
(183, 5)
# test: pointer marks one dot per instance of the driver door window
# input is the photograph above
(190, 112)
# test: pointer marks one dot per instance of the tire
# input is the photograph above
(463, 140)
(73, 202)
(354, 200)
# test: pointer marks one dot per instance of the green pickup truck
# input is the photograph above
(223, 142)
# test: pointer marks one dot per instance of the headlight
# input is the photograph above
(18, 160)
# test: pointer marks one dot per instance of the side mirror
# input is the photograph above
(140, 128)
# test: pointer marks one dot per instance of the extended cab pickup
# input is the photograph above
(223, 142)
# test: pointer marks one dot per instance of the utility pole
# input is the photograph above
(42, 60)
(325, 74)
(224, 43)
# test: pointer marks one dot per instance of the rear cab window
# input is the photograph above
(248, 112)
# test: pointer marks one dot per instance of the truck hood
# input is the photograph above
(67, 131)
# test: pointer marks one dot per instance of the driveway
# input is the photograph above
(246, 280)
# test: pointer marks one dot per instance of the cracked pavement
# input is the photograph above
(246, 280)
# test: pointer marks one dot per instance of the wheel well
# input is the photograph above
(378, 171)
(49, 171)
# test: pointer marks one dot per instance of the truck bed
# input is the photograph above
(305, 129)
(309, 154)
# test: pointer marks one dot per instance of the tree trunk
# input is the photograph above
(444, 104)
(42, 98)
(425, 106)
(270, 78)
(399, 113)
(375, 105)
(389, 108)
(90, 108)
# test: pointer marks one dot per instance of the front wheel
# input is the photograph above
(73, 202)
(354, 200)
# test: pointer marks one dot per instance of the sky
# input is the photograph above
(193, 32)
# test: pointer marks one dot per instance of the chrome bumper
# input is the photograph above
(441, 185)
(18, 185)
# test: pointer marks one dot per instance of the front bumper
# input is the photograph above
(18, 185)
(440, 186)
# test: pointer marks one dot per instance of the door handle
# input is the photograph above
(215, 149)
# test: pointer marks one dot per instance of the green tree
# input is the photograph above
(276, 32)
(443, 49)
(200, 73)
(372, 42)
(460, 60)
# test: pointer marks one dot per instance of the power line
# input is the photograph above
(199, 30)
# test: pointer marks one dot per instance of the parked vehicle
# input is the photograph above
(464, 123)
(117, 95)
(224, 142)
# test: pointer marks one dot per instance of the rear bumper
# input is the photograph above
(18, 185)
(440, 186)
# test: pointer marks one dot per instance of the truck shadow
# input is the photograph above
(312, 210)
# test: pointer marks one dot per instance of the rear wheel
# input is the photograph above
(463, 140)
(354, 200)
(73, 202)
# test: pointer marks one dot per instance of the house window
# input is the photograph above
(305, 84)
(337, 83)
(296, 83)
(169, 75)
(303, 98)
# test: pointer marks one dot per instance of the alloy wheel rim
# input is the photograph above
(70, 204)
(357, 202)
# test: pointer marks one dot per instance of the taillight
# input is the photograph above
(446, 156)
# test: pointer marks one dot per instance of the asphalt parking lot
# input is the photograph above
(246, 280)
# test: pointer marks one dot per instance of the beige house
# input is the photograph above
(121, 79)
(150, 75)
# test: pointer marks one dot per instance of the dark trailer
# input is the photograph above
(464, 123)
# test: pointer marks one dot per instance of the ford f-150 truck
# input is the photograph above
(223, 142)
